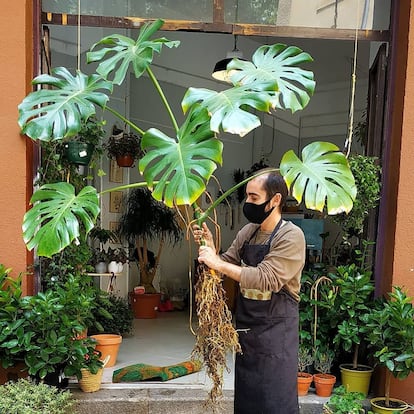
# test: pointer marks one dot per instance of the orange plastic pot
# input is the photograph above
(324, 384)
(108, 345)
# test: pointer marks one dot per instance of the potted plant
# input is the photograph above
(80, 148)
(117, 258)
(146, 219)
(100, 260)
(353, 301)
(43, 331)
(389, 331)
(367, 173)
(343, 401)
(323, 379)
(121, 321)
(124, 147)
(28, 397)
(305, 359)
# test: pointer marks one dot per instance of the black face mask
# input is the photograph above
(256, 213)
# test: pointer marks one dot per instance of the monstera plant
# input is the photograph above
(176, 168)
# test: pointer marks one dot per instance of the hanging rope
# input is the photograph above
(348, 141)
(79, 34)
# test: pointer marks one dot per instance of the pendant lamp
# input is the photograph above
(220, 71)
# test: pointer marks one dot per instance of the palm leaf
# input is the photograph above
(56, 113)
(181, 165)
(323, 176)
(125, 51)
(52, 223)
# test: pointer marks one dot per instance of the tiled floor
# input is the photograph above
(165, 340)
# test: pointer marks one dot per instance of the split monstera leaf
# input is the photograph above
(176, 168)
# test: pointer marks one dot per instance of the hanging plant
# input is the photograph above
(124, 147)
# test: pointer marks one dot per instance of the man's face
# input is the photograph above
(255, 192)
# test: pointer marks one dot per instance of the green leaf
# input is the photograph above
(228, 109)
(52, 223)
(56, 113)
(181, 165)
(124, 51)
(323, 176)
(277, 64)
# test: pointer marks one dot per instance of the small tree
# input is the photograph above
(148, 219)
(389, 330)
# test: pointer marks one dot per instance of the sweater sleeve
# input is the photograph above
(282, 266)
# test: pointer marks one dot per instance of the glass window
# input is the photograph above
(198, 10)
(327, 14)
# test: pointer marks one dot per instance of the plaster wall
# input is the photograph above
(16, 37)
(403, 264)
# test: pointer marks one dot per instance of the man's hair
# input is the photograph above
(274, 183)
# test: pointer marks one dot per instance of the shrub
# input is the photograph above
(27, 397)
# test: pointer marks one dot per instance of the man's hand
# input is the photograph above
(203, 236)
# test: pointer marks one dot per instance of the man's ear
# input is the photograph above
(277, 199)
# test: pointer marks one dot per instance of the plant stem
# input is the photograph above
(125, 120)
(163, 98)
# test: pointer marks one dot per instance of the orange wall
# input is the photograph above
(16, 37)
(403, 264)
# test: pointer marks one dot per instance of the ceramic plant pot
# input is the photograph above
(356, 380)
(324, 384)
(145, 306)
(125, 160)
(108, 345)
(101, 267)
(304, 381)
(396, 406)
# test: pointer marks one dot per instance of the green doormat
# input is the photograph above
(144, 372)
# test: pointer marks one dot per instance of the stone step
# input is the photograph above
(167, 400)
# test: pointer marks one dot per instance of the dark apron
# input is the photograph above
(266, 371)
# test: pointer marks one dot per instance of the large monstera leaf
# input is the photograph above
(277, 64)
(323, 176)
(183, 165)
(124, 51)
(52, 223)
(228, 108)
(271, 81)
(56, 113)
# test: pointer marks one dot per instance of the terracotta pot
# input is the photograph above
(398, 406)
(356, 380)
(324, 384)
(145, 306)
(13, 373)
(108, 345)
(125, 160)
(304, 382)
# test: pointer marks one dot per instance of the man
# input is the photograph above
(266, 259)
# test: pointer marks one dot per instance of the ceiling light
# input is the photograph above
(220, 71)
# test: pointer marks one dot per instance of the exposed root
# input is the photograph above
(216, 335)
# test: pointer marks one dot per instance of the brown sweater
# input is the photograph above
(281, 267)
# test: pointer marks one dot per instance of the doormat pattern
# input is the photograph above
(144, 372)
